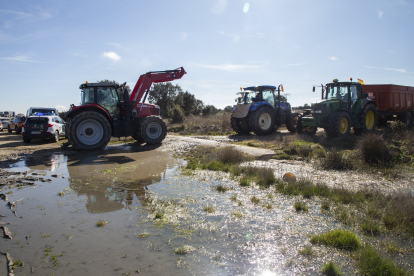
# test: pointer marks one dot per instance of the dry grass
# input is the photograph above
(218, 124)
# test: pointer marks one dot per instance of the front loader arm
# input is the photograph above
(146, 80)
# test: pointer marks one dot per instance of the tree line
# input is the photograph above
(177, 104)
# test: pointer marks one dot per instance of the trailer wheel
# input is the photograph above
(153, 130)
(339, 125)
(291, 121)
(240, 125)
(262, 121)
(408, 120)
(368, 119)
(89, 130)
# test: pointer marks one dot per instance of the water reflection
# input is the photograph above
(110, 180)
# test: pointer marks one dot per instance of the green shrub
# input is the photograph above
(300, 206)
(336, 160)
(330, 269)
(374, 150)
(177, 114)
(266, 177)
(371, 263)
(369, 226)
(339, 238)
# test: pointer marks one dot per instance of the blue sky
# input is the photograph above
(48, 48)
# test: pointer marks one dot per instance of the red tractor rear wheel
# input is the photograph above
(89, 130)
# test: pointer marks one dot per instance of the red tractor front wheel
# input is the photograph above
(153, 130)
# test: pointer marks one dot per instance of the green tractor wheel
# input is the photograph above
(368, 119)
(339, 125)
(291, 121)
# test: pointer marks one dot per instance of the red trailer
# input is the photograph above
(392, 100)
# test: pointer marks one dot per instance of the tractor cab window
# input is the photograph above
(88, 96)
(107, 97)
(249, 96)
(336, 92)
(268, 97)
(353, 93)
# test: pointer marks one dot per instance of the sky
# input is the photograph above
(49, 48)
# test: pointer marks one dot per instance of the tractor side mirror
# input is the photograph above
(313, 89)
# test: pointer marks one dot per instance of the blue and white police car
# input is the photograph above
(43, 126)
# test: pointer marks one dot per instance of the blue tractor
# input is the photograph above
(259, 110)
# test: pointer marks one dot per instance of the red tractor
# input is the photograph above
(103, 114)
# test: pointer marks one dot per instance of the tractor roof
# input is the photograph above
(342, 83)
(101, 84)
(260, 87)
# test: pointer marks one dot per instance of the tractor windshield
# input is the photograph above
(336, 92)
(251, 96)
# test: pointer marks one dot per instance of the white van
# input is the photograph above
(41, 110)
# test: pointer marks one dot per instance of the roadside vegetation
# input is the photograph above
(371, 213)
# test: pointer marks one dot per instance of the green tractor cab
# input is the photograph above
(343, 105)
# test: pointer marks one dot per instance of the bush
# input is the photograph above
(330, 269)
(371, 263)
(335, 160)
(339, 238)
(209, 110)
(177, 114)
(374, 150)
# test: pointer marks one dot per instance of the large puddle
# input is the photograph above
(152, 210)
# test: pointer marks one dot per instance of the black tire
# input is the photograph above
(55, 137)
(9, 129)
(292, 121)
(339, 125)
(137, 136)
(240, 125)
(153, 130)
(89, 130)
(26, 140)
(262, 121)
(408, 120)
(368, 119)
(311, 131)
(17, 130)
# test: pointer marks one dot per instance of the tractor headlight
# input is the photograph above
(316, 111)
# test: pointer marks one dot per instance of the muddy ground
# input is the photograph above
(132, 210)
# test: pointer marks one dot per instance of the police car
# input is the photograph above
(43, 126)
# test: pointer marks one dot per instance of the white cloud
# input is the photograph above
(26, 59)
(236, 37)
(79, 54)
(295, 64)
(20, 14)
(219, 7)
(391, 69)
(183, 36)
(333, 58)
(61, 108)
(380, 14)
(111, 55)
(234, 67)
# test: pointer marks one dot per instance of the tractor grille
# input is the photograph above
(319, 109)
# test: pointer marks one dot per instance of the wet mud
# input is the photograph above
(133, 210)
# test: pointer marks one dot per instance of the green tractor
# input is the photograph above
(343, 105)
